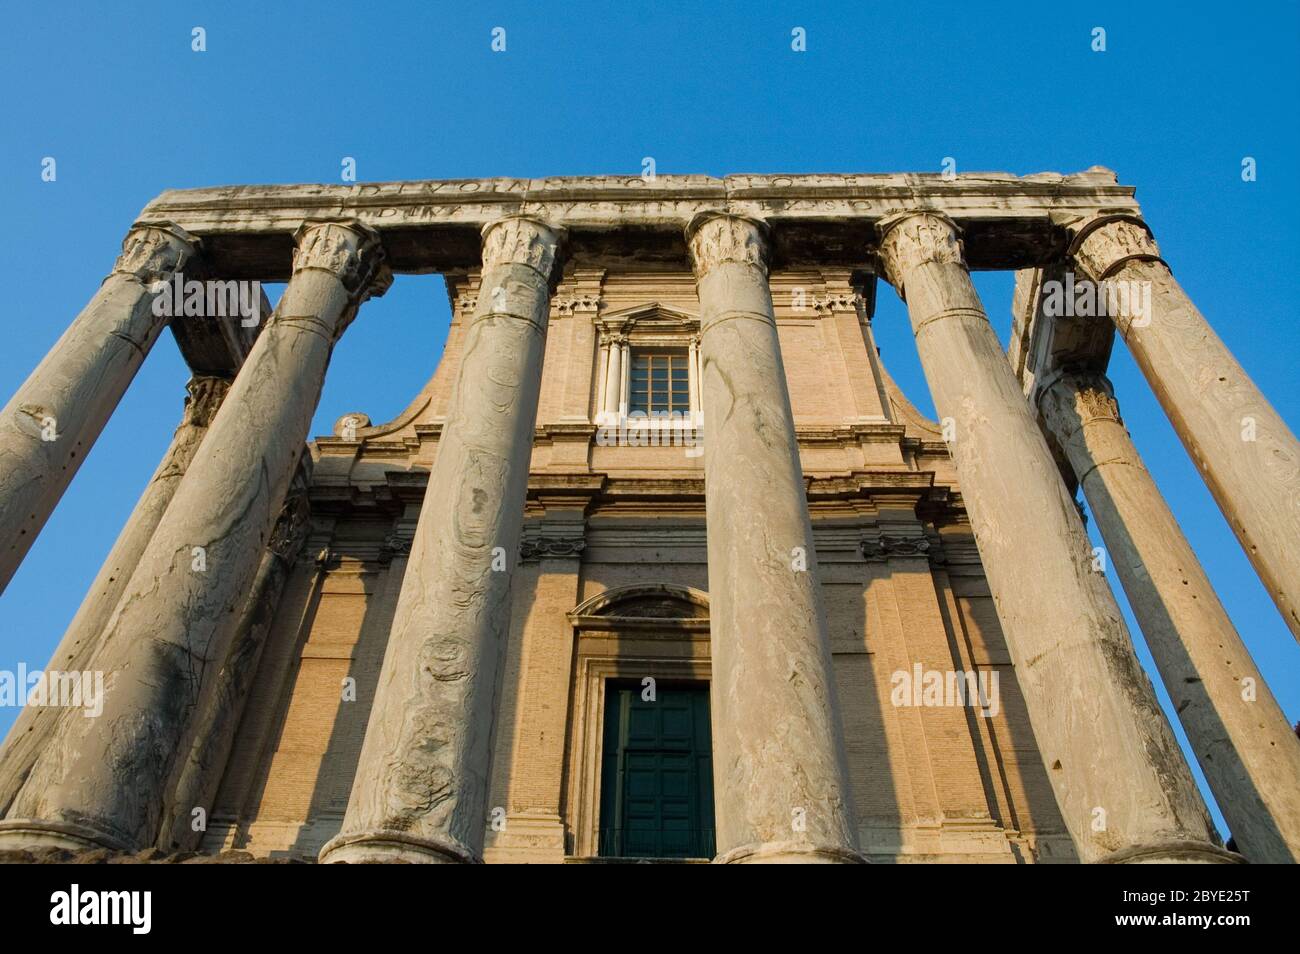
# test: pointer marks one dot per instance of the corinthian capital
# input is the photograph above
(718, 237)
(206, 393)
(154, 251)
(910, 239)
(351, 251)
(1103, 243)
(518, 240)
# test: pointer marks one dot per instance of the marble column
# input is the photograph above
(50, 424)
(199, 775)
(101, 781)
(780, 775)
(420, 793)
(32, 729)
(1124, 789)
(1242, 739)
(1245, 452)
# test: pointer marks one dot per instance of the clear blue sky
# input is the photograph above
(285, 90)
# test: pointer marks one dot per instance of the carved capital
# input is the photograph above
(521, 241)
(718, 237)
(1084, 395)
(205, 394)
(1103, 243)
(351, 251)
(911, 239)
(290, 531)
(154, 251)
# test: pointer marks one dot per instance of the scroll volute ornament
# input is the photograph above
(911, 239)
(718, 237)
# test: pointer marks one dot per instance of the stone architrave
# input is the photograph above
(780, 774)
(92, 786)
(421, 785)
(50, 424)
(1124, 788)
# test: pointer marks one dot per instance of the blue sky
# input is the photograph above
(285, 90)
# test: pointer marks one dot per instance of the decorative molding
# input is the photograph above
(837, 301)
(396, 544)
(889, 545)
(551, 547)
(577, 304)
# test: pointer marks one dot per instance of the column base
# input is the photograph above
(789, 853)
(1173, 853)
(395, 847)
(28, 833)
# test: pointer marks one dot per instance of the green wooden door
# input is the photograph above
(657, 774)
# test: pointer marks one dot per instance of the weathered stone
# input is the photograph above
(1124, 788)
(35, 724)
(1244, 743)
(1243, 449)
(50, 424)
(421, 785)
(781, 782)
(95, 788)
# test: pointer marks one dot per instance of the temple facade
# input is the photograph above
(660, 563)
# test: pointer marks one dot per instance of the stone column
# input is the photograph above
(49, 426)
(1124, 789)
(693, 379)
(212, 737)
(101, 781)
(780, 773)
(34, 724)
(1244, 743)
(1245, 452)
(421, 785)
(613, 380)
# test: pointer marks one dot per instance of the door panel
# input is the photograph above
(656, 776)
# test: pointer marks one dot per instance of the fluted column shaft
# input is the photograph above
(1124, 789)
(1245, 452)
(780, 773)
(421, 784)
(50, 424)
(32, 728)
(101, 781)
(1243, 741)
